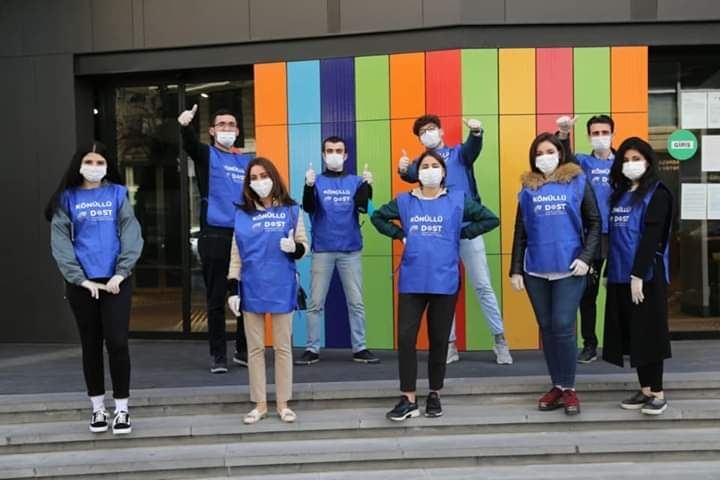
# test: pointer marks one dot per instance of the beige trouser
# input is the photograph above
(282, 344)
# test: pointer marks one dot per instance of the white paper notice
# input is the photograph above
(710, 154)
(693, 201)
(713, 201)
(713, 109)
(693, 110)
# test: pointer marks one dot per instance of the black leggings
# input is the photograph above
(440, 312)
(651, 375)
(105, 319)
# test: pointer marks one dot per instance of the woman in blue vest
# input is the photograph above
(96, 241)
(433, 220)
(557, 232)
(636, 315)
(269, 238)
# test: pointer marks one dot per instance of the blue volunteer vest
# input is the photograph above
(226, 176)
(335, 225)
(626, 222)
(457, 176)
(268, 274)
(598, 173)
(553, 223)
(430, 262)
(94, 216)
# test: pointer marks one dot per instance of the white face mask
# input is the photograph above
(431, 138)
(634, 170)
(226, 139)
(547, 163)
(262, 187)
(601, 144)
(93, 173)
(334, 161)
(430, 177)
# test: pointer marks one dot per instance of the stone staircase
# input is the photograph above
(491, 429)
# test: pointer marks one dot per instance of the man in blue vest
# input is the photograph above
(334, 200)
(596, 165)
(220, 172)
(459, 160)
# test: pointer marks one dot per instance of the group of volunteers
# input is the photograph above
(575, 213)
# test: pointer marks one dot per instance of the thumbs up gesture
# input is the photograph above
(187, 116)
(565, 124)
(367, 175)
(475, 126)
(287, 244)
(310, 176)
(404, 162)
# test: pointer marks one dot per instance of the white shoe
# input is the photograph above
(121, 424)
(99, 421)
(452, 355)
(502, 354)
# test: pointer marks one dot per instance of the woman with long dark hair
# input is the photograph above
(636, 315)
(269, 238)
(96, 241)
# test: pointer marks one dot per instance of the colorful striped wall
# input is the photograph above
(372, 102)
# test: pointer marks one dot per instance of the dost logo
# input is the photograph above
(682, 144)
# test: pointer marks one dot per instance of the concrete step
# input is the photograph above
(337, 455)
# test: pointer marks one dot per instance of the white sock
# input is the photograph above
(98, 403)
(121, 405)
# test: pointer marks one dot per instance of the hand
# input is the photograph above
(113, 285)
(287, 244)
(233, 302)
(475, 126)
(93, 287)
(367, 175)
(187, 116)
(404, 163)
(565, 124)
(636, 290)
(517, 282)
(579, 268)
(310, 176)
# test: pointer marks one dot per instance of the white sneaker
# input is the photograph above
(99, 421)
(121, 424)
(502, 354)
(452, 355)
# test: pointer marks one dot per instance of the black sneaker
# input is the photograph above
(218, 365)
(365, 356)
(432, 405)
(404, 409)
(308, 358)
(98, 422)
(588, 354)
(655, 406)
(121, 423)
(635, 402)
(240, 358)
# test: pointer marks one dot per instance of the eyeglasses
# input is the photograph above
(429, 128)
(225, 125)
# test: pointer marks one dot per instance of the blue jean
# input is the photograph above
(472, 253)
(555, 303)
(349, 266)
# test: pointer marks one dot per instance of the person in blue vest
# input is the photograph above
(433, 220)
(220, 172)
(596, 165)
(557, 230)
(96, 242)
(334, 200)
(636, 312)
(269, 238)
(461, 177)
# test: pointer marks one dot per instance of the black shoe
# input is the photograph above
(121, 423)
(365, 356)
(432, 405)
(587, 355)
(308, 358)
(655, 406)
(404, 409)
(240, 358)
(218, 365)
(98, 422)
(636, 402)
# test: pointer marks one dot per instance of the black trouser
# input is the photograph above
(440, 312)
(651, 375)
(108, 319)
(214, 250)
(588, 305)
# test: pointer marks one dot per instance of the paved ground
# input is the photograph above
(43, 368)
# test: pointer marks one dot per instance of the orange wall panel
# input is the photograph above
(270, 94)
(630, 125)
(629, 79)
